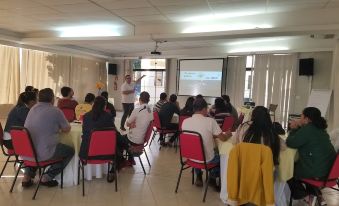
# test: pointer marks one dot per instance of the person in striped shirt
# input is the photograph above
(162, 101)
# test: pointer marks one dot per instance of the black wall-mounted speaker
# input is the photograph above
(306, 66)
(112, 69)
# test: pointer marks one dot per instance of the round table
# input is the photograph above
(73, 139)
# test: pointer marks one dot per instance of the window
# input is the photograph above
(249, 78)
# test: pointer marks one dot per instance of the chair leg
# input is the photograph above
(291, 200)
(3, 169)
(149, 164)
(37, 188)
(62, 178)
(115, 174)
(142, 165)
(181, 169)
(206, 186)
(192, 176)
(79, 172)
(154, 133)
(16, 176)
(83, 179)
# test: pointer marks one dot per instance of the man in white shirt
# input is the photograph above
(138, 123)
(209, 129)
(127, 98)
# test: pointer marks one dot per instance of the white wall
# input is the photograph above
(116, 94)
(320, 79)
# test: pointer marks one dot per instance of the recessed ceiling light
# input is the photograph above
(260, 40)
(259, 49)
(218, 16)
(223, 27)
(96, 30)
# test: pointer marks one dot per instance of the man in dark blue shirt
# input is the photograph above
(166, 114)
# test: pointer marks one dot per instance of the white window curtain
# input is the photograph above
(274, 79)
(334, 107)
(259, 79)
(85, 74)
(9, 74)
(235, 83)
(43, 69)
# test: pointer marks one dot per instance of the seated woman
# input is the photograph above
(260, 130)
(18, 114)
(95, 119)
(188, 109)
(81, 109)
(316, 153)
(220, 111)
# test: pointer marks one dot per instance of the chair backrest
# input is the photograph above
(148, 133)
(241, 118)
(1, 135)
(227, 124)
(334, 172)
(69, 114)
(181, 120)
(191, 146)
(272, 107)
(22, 142)
(156, 120)
(102, 143)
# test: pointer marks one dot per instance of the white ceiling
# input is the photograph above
(143, 21)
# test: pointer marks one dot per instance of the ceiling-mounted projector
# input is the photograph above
(155, 52)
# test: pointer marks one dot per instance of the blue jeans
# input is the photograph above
(215, 172)
(61, 151)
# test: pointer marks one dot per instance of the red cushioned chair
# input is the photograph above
(6, 152)
(102, 149)
(158, 128)
(191, 151)
(138, 150)
(331, 181)
(69, 114)
(23, 147)
(227, 124)
(181, 120)
(241, 118)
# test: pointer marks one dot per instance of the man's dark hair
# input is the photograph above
(163, 96)
(199, 104)
(46, 95)
(105, 94)
(173, 98)
(29, 88)
(65, 91)
(199, 96)
(90, 98)
(144, 97)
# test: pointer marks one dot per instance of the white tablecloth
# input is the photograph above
(73, 139)
(281, 189)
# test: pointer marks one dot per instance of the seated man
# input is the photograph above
(161, 102)
(209, 129)
(138, 123)
(67, 100)
(44, 122)
(82, 109)
(166, 114)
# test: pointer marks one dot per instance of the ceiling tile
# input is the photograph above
(147, 18)
(60, 2)
(177, 2)
(14, 4)
(136, 12)
(184, 9)
(34, 10)
(78, 8)
(125, 4)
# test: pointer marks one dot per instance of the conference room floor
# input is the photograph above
(134, 188)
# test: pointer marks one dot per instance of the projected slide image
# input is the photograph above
(200, 76)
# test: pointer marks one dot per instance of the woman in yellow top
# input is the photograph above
(82, 109)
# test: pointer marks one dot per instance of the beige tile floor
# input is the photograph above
(134, 188)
